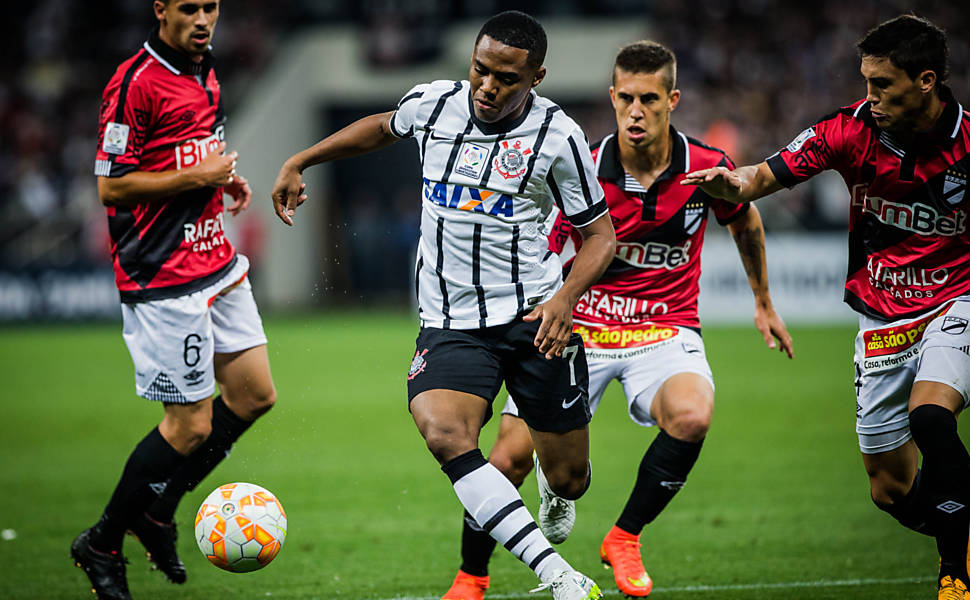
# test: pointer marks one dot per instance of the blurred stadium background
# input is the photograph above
(753, 74)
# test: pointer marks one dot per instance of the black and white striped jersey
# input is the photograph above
(483, 256)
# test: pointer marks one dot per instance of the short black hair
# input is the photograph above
(911, 43)
(519, 30)
(647, 57)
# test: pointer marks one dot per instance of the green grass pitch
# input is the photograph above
(777, 507)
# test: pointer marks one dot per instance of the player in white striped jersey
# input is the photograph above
(496, 158)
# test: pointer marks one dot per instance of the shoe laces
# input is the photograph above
(628, 556)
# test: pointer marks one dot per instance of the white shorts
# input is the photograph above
(890, 357)
(641, 370)
(173, 341)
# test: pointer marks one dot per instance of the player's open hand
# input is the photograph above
(556, 325)
(288, 193)
(772, 328)
(719, 182)
(217, 169)
(241, 194)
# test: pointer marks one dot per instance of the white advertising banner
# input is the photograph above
(806, 273)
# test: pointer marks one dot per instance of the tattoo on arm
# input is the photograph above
(751, 246)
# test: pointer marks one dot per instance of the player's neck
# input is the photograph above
(168, 41)
(647, 161)
(930, 115)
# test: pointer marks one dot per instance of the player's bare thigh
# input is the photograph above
(684, 406)
(891, 474)
(245, 381)
(565, 460)
(449, 421)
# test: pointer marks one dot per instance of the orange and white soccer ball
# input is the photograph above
(240, 527)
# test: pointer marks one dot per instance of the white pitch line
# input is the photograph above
(822, 583)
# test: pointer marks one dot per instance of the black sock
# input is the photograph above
(151, 463)
(909, 510)
(945, 477)
(476, 547)
(662, 473)
(226, 429)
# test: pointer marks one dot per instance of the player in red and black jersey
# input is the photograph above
(190, 321)
(903, 153)
(639, 322)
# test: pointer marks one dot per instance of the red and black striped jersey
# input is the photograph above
(160, 112)
(908, 238)
(659, 233)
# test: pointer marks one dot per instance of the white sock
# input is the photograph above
(497, 507)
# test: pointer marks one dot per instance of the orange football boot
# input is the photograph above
(467, 587)
(953, 589)
(621, 550)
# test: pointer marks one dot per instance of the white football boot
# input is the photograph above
(556, 515)
(571, 585)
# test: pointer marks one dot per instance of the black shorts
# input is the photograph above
(552, 395)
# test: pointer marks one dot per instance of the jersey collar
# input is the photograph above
(944, 131)
(175, 61)
(610, 168)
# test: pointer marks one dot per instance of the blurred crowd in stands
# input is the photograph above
(753, 72)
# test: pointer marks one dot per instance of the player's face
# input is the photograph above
(500, 79)
(896, 101)
(643, 106)
(187, 25)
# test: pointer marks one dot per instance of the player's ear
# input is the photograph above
(674, 99)
(159, 7)
(927, 81)
(613, 96)
(539, 76)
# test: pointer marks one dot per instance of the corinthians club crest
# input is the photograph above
(511, 161)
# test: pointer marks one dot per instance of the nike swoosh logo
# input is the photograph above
(566, 405)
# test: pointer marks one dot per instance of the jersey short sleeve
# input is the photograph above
(126, 113)
(727, 212)
(814, 150)
(403, 119)
(572, 182)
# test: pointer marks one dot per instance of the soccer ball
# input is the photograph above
(240, 527)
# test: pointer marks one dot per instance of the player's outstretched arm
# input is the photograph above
(749, 236)
(744, 184)
(594, 255)
(360, 137)
(138, 187)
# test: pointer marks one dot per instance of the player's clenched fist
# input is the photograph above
(217, 169)
(288, 192)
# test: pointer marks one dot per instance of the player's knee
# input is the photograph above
(885, 489)
(263, 402)
(194, 433)
(568, 481)
(515, 468)
(690, 425)
(446, 442)
(253, 403)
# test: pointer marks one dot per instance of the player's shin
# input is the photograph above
(944, 483)
(493, 502)
(662, 473)
(227, 427)
(150, 464)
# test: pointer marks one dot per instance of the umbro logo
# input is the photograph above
(672, 485)
(950, 507)
(158, 488)
(193, 377)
